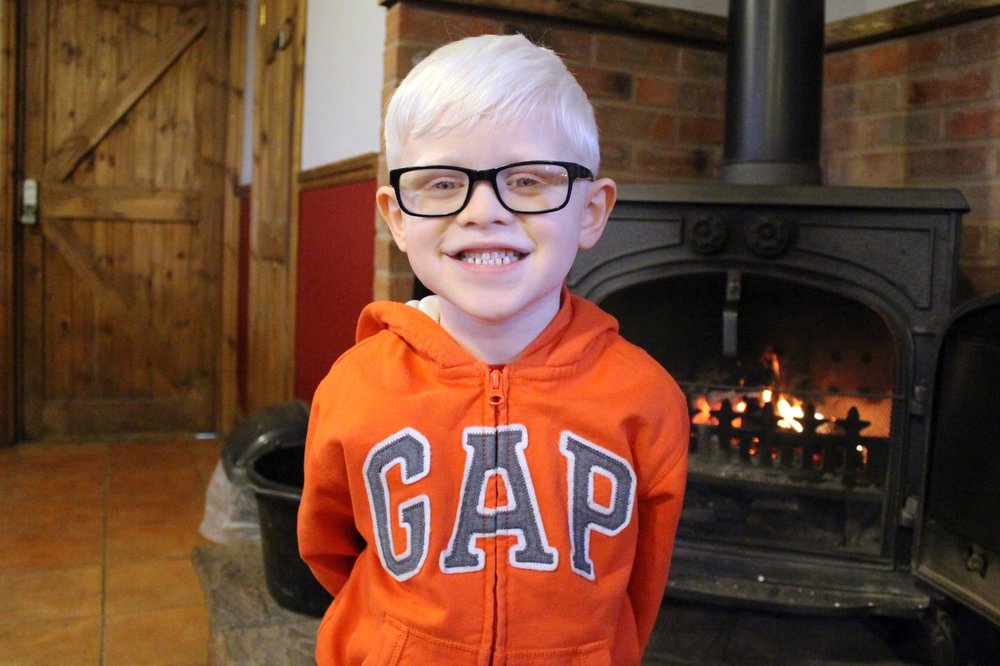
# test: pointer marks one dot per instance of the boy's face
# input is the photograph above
(538, 250)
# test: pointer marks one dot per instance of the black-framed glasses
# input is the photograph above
(522, 187)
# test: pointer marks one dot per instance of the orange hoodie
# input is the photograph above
(463, 514)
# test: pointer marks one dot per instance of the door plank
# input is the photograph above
(64, 159)
(115, 203)
(127, 312)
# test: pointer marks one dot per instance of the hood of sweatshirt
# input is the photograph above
(575, 334)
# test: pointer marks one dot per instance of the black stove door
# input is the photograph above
(958, 548)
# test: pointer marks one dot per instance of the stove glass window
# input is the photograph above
(791, 393)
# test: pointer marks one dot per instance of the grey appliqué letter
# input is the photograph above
(409, 449)
(500, 452)
(585, 515)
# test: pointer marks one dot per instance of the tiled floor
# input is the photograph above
(95, 553)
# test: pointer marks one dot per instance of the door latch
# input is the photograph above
(29, 201)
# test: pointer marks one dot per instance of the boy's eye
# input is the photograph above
(530, 179)
(444, 184)
(435, 182)
(523, 180)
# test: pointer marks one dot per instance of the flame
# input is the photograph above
(789, 413)
(704, 414)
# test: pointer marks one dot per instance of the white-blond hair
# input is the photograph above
(502, 78)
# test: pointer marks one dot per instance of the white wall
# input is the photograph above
(343, 80)
(342, 98)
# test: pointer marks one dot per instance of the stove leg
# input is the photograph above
(940, 637)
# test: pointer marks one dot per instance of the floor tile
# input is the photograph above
(28, 544)
(67, 642)
(151, 539)
(51, 594)
(172, 637)
(151, 584)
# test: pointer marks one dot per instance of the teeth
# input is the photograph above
(490, 258)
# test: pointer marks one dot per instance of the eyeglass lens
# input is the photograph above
(525, 188)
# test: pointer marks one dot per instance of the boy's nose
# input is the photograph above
(484, 207)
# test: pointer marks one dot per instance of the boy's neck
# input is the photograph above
(497, 342)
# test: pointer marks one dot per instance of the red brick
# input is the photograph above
(941, 165)
(843, 67)
(905, 55)
(883, 131)
(603, 83)
(838, 101)
(923, 127)
(979, 198)
(662, 129)
(870, 98)
(977, 41)
(697, 130)
(573, 46)
(675, 162)
(655, 90)
(701, 63)
(964, 84)
(636, 52)
(879, 97)
(878, 169)
(840, 134)
(440, 27)
(703, 97)
(615, 155)
(832, 165)
(928, 52)
(972, 124)
(620, 121)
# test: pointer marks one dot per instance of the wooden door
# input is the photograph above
(119, 278)
(280, 49)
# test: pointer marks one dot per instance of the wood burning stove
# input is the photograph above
(832, 299)
(803, 322)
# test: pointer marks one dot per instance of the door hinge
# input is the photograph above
(29, 201)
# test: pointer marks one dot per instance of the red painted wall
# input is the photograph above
(335, 271)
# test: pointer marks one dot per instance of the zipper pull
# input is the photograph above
(496, 388)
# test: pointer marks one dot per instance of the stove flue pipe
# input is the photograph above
(774, 92)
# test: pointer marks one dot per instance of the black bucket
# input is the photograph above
(276, 477)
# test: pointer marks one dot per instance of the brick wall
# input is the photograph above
(916, 111)
(924, 111)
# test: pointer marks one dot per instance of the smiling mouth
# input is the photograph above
(489, 257)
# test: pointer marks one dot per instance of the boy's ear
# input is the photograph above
(385, 200)
(601, 197)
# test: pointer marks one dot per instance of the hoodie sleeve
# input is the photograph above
(664, 466)
(329, 541)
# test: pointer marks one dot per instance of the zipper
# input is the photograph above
(495, 393)
(495, 398)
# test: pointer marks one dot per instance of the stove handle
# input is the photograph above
(730, 313)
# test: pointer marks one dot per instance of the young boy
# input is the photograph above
(493, 475)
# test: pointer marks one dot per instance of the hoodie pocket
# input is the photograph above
(591, 654)
(398, 645)
(388, 646)
(595, 654)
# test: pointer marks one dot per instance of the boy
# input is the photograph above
(493, 475)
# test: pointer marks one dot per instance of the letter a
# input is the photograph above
(585, 515)
(494, 452)
(409, 449)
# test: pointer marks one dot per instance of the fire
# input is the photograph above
(790, 409)
(704, 407)
(704, 413)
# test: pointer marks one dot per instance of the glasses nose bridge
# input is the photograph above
(487, 175)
